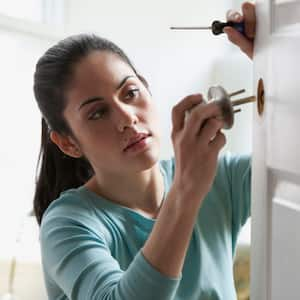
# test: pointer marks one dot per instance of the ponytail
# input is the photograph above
(56, 172)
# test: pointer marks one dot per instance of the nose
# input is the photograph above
(125, 116)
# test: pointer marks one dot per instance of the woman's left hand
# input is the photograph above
(245, 42)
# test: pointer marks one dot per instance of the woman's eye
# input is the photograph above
(98, 114)
(132, 93)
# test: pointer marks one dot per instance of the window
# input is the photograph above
(41, 11)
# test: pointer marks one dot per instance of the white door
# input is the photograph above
(275, 253)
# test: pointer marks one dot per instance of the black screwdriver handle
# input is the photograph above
(217, 27)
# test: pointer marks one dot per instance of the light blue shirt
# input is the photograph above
(91, 247)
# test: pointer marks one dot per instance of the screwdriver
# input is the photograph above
(217, 27)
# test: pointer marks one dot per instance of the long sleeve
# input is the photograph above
(77, 258)
(238, 169)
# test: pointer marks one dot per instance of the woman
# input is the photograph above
(117, 223)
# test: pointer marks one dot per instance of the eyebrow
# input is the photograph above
(93, 99)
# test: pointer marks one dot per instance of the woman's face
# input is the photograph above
(107, 105)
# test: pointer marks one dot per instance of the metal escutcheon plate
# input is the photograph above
(220, 96)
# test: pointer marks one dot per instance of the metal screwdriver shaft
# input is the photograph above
(216, 27)
(191, 28)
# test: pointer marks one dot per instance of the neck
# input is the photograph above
(142, 191)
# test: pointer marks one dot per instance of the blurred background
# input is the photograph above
(175, 63)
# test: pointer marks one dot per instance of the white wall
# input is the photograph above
(20, 140)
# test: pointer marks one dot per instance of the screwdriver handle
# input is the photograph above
(217, 27)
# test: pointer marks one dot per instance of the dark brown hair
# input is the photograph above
(57, 172)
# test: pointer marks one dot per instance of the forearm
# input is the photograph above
(167, 244)
(197, 141)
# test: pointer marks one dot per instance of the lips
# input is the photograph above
(133, 140)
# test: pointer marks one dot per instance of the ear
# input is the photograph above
(66, 144)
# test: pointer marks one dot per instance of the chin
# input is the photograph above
(154, 154)
(153, 160)
(147, 161)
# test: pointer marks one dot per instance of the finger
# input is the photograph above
(199, 115)
(234, 16)
(218, 142)
(238, 39)
(178, 111)
(210, 130)
(250, 19)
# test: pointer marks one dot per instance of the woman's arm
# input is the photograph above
(78, 262)
(246, 43)
(197, 141)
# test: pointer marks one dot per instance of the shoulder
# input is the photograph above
(228, 164)
(71, 212)
(233, 165)
(233, 176)
(70, 204)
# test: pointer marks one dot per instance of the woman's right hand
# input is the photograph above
(197, 141)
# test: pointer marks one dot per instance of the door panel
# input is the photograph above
(285, 249)
(275, 253)
(285, 13)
